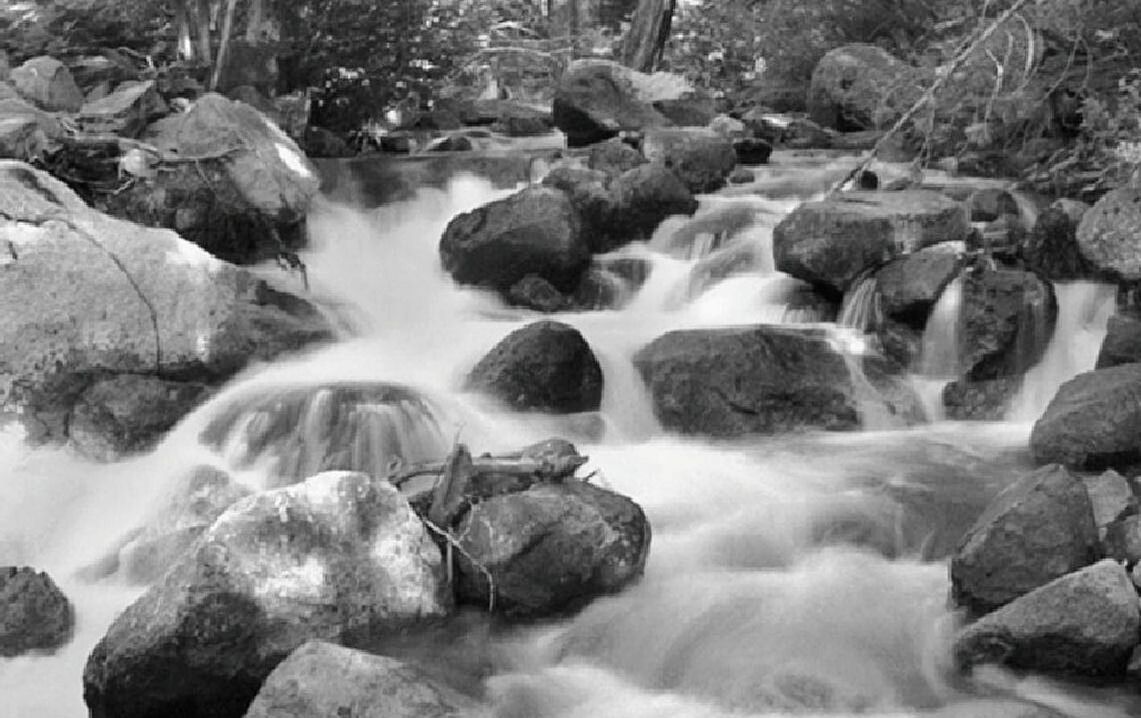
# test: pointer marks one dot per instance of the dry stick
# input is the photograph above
(948, 70)
(224, 46)
(454, 544)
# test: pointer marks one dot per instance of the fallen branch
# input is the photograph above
(454, 544)
(544, 469)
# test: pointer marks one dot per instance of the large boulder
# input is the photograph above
(1082, 624)
(765, 379)
(93, 296)
(231, 182)
(544, 366)
(48, 83)
(1052, 248)
(1037, 529)
(550, 548)
(859, 87)
(126, 111)
(1109, 234)
(701, 158)
(324, 679)
(128, 413)
(534, 231)
(642, 198)
(34, 613)
(1006, 320)
(597, 99)
(909, 286)
(833, 241)
(340, 557)
(1093, 422)
(1122, 343)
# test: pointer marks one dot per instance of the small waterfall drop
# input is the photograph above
(939, 352)
(861, 307)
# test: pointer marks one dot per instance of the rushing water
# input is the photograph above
(800, 575)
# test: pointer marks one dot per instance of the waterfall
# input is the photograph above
(939, 352)
(861, 307)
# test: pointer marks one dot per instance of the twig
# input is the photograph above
(453, 543)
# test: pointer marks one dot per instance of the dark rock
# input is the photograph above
(1006, 321)
(400, 142)
(324, 679)
(1003, 238)
(700, 158)
(595, 100)
(336, 558)
(1036, 530)
(1122, 540)
(910, 285)
(899, 342)
(129, 413)
(450, 143)
(831, 242)
(614, 157)
(1093, 422)
(691, 111)
(991, 203)
(1082, 624)
(516, 120)
(551, 548)
(1109, 234)
(438, 119)
(1052, 249)
(595, 204)
(48, 83)
(643, 197)
(599, 289)
(982, 400)
(534, 231)
(859, 87)
(1122, 343)
(534, 292)
(34, 613)
(763, 379)
(320, 142)
(545, 366)
(804, 134)
(1112, 498)
(741, 175)
(752, 151)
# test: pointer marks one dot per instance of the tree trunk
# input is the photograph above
(200, 12)
(182, 20)
(649, 29)
(224, 44)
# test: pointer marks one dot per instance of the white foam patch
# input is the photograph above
(292, 160)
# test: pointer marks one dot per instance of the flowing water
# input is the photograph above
(794, 575)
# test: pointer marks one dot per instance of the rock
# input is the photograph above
(1006, 321)
(400, 142)
(517, 120)
(551, 547)
(597, 99)
(1093, 422)
(831, 242)
(723, 262)
(534, 292)
(859, 87)
(752, 151)
(712, 229)
(29, 136)
(247, 204)
(338, 557)
(981, 400)
(643, 197)
(34, 613)
(700, 158)
(1122, 540)
(128, 414)
(730, 127)
(1002, 239)
(320, 142)
(1122, 343)
(763, 379)
(910, 286)
(450, 143)
(1112, 498)
(48, 83)
(544, 366)
(1052, 249)
(600, 289)
(594, 203)
(5, 66)
(990, 203)
(125, 112)
(1038, 529)
(534, 231)
(324, 679)
(741, 175)
(1082, 624)
(1109, 234)
(614, 157)
(100, 297)
(690, 111)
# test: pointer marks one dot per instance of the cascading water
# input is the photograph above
(801, 574)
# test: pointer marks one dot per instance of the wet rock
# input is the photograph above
(596, 99)
(125, 112)
(245, 202)
(320, 142)
(990, 203)
(752, 151)
(1003, 238)
(1122, 343)
(336, 558)
(324, 679)
(589, 193)
(516, 120)
(544, 366)
(712, 229)
(910, 285)
(1082, 624)
(101, 297)
(400, 142)
(700, 158)
(34, 613)
(614, 157)
(724, 262)
(832, 242)
(763, 379)
(1006, 321)
(982, 400)
(551, 548)
(48, 83)
(599, 289)
(534, 231)
(741, 175)
(129, 413)
(450, 143)
(691, 111)
(730, 127)
(1093, 422)
(534, 292)
(1109, 234)
(1036, 530)
(1052, 249)
(1122, 541)
(858, 87)
(1112, 498)
(643, 197)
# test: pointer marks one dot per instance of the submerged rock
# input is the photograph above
(544, 366)
(339, 557)
(1082, 624)
(1093, 422)
(1036, 530)
(702, 159)
(34, 613)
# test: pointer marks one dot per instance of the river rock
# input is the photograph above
(1037, 529)
(26, 133)
(48, 83)
(125, 112)
(692, 110)
(98, 297)
(858, 87)
(643, 197)
(1112, 498)
(338, 557)
(534, 292)
(594, 203)
(1093, 422)
(1052, 248)
(551, 547)
(990, 203)
(614, 157)
(1006, 321)
(909, 286)
(129, 413)
(34, 613)
(245, 202)
(1081, 624)
(597, 99)
(1122, 343)
(752, 150)
(1109, 234)
(764, 379)
(324, 679)
(544, 366)
(702, 159)
(534, 231)
(1122, 540)
(980, 400)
